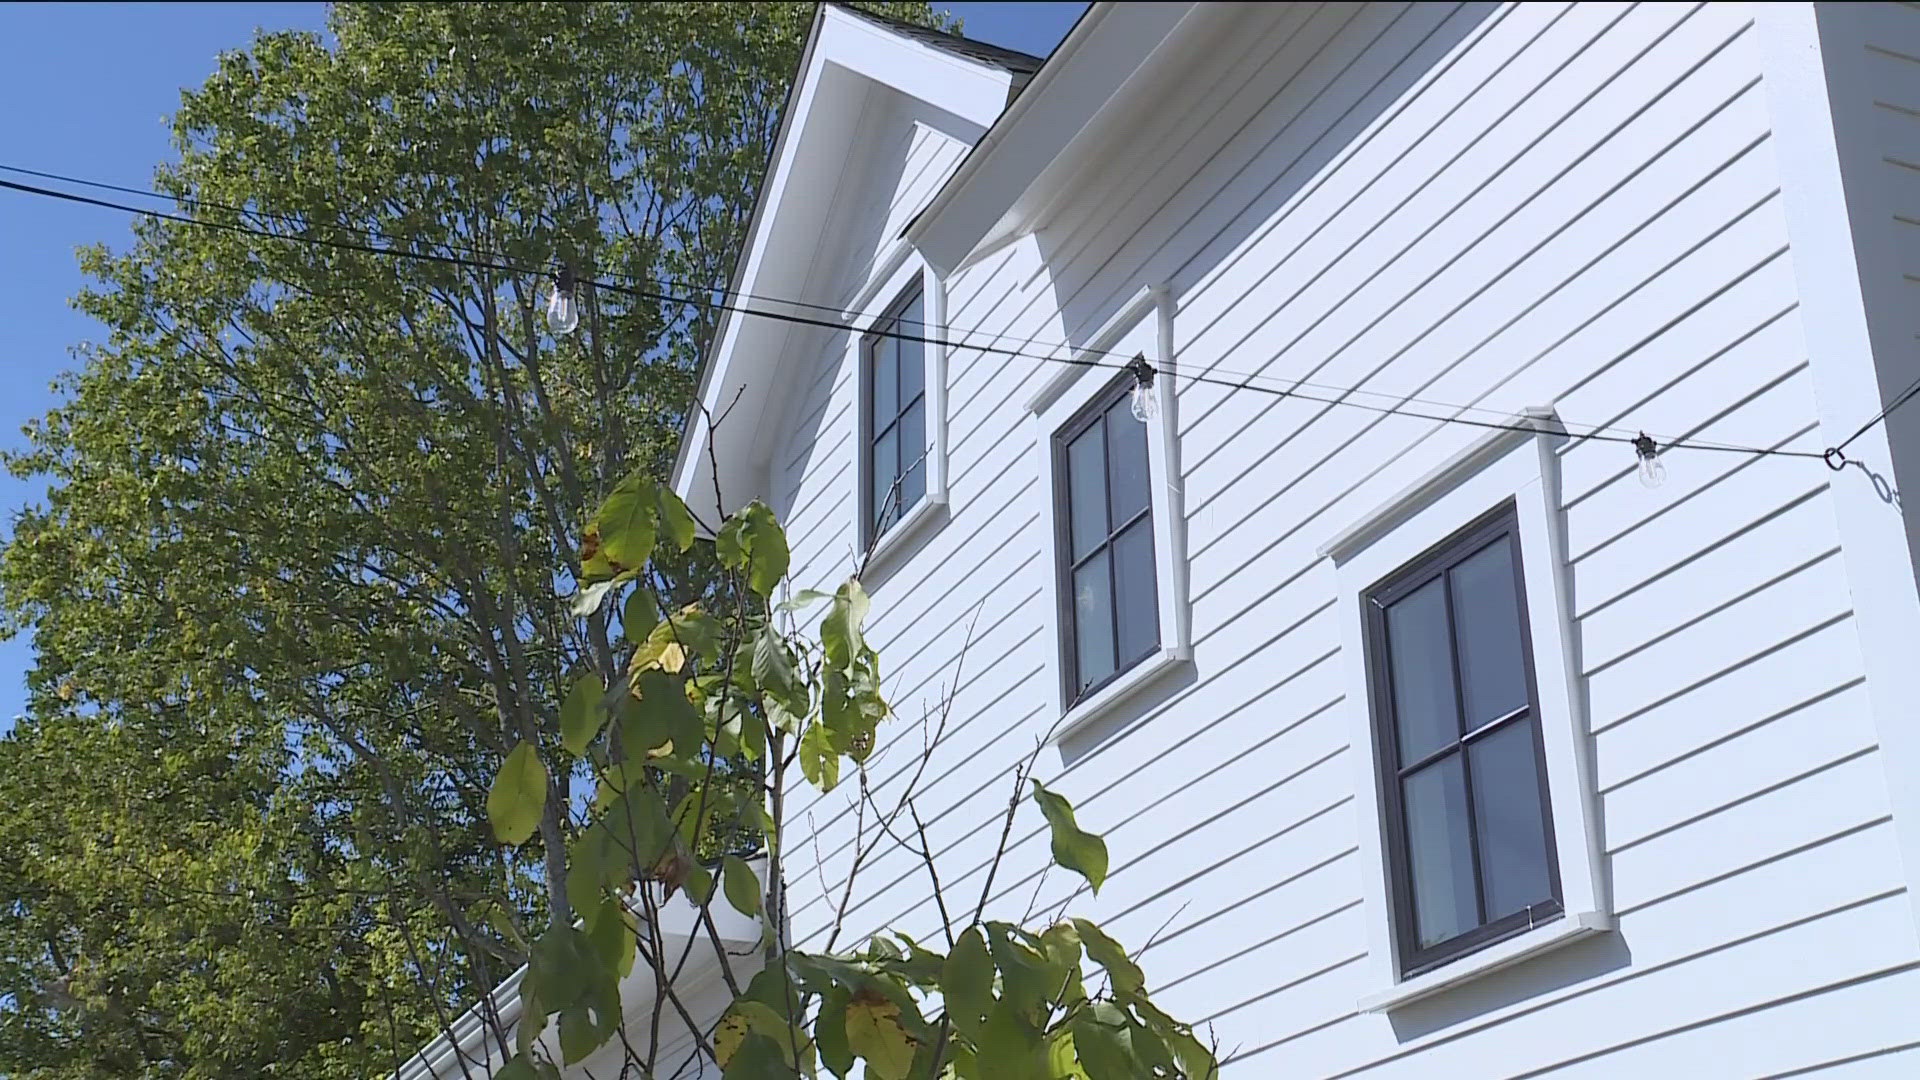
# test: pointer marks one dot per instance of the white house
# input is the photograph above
(1428, 741)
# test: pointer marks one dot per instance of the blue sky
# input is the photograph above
(89, 88)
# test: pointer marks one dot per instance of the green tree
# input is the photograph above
(989, 1000)
(294, 590)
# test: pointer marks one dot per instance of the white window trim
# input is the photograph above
(1063, 395)
(898, 270)
(1521, 466)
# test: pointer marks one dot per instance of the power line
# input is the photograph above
(1215, 375)
(1081, 358)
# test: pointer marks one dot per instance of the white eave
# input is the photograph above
(849, 64)
(1076, 115)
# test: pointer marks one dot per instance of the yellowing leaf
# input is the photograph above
(1073, 847)
(874, 1033)
(518, 795)
(728, 1036)
(819, 761)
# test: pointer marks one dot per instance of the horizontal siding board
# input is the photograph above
(1489, 207)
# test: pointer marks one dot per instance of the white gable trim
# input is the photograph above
(848, 44)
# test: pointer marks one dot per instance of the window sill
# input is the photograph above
(912, 525)
(1107, 698)
(1546, 938)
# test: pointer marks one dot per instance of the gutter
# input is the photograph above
(1035, 88)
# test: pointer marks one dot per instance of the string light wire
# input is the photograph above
(1080, 358)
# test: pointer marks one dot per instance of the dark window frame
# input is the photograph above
(1083, 420)
(872, 524)
(1500, 524)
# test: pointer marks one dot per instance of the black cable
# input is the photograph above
(1596, 435)
(1901, 399)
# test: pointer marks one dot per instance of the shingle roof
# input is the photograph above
(1020, 64)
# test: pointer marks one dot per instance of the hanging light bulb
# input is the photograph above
(1146, 404)
(1652, 471)
(563, 314)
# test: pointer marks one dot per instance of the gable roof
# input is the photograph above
(967, 81)
(1020, 65)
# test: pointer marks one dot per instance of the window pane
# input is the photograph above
(886, 464)
(913, 354)
(1135, 604)
(1508, 812)
(1421, 667)
(1086, 491)
(913, 455)
(886, 385)
(1486, 609)
(1440, 852)
(1127, 460)
(1092, 622)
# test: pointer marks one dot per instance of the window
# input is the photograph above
(1115, 546)
(895, 459)
(1108, 583)
(1470, 839)
(1481, 827)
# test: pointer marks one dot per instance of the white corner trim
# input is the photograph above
(1070, 368)
(1536, 420)
(1122, 689)
(1546, 937)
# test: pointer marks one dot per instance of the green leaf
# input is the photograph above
(767, 547)
(590, 1021)
(1063, 1059)
(562, 967)
(773, 669)
(875, 1033)
(1196, 1059)
(740, 884)
(639, 833)
(660, 714)
(676, 521)
(639, 615)
(520, 1068)
(840, 631)
(590, 866)
(758, 1058)
(1102, 1037)
(966, 982)
(581, 715)
(1010, 1048)
(518, 795)
(533, 1019)
(1028, 983)
(699, 884)
(819, 761)
(830, 1032)
(1123, 973)
(802, 600)
(626, 523)
(612, 932)
(1074, 848)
